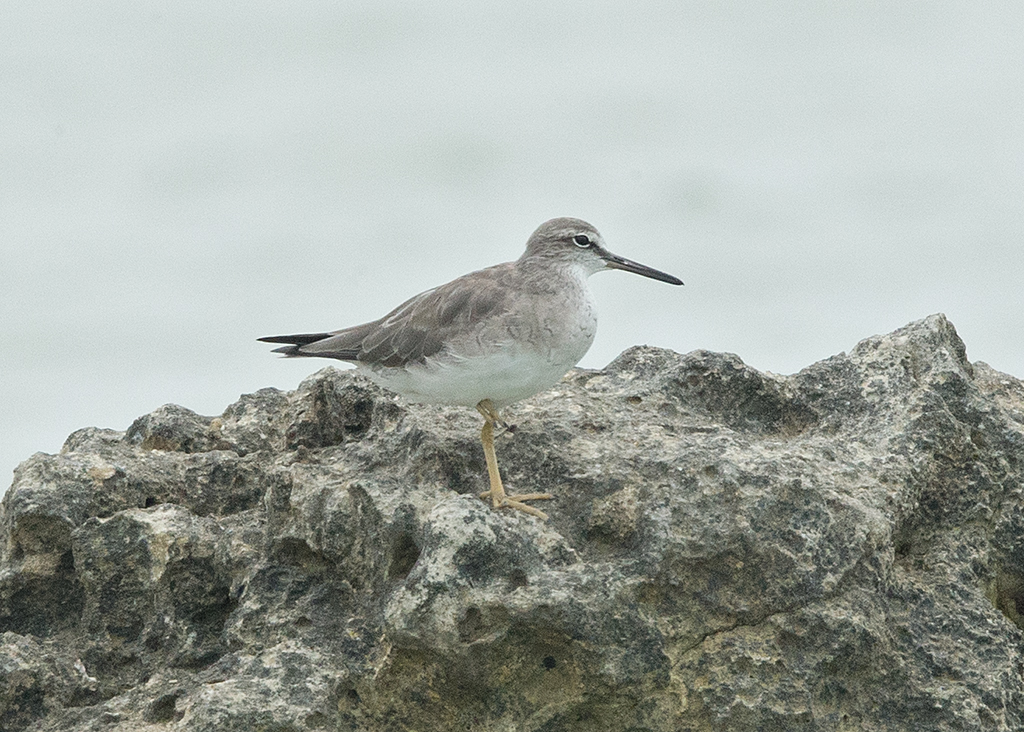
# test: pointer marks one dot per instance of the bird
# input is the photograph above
(486, 339)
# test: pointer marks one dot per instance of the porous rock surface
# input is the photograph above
(840, 549)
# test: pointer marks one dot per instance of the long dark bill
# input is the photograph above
(628, 265)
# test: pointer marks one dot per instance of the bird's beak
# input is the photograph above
(614, 261)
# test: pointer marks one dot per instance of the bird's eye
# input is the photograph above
(582, 241)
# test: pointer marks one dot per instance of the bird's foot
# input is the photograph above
(501, 500)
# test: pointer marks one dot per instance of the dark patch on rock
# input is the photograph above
(404, 553)
(163, 710)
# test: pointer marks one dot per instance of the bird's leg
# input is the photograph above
(497, 492)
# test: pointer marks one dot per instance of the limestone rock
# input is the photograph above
(728, 549)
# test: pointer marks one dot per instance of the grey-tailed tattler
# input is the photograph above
(489, 338)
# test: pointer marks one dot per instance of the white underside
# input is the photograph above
(503, 376)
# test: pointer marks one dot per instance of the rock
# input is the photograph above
(728, 549)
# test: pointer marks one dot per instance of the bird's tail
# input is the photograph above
(296, 342)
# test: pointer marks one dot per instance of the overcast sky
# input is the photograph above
(179, 178)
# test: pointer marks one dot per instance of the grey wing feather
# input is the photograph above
(419, 327)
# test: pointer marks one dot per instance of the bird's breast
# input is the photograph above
(566, 329)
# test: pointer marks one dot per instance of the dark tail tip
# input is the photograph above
(295, 342)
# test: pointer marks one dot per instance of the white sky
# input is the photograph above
(177, 179)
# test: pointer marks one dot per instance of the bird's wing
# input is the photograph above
(416, 329)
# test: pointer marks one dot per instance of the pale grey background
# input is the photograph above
(179, 178)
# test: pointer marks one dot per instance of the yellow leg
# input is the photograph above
(497, 492)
